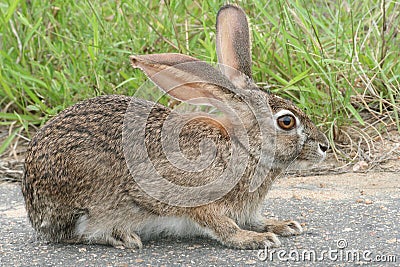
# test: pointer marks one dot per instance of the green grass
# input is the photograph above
(335, 59)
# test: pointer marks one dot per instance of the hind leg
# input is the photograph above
(115, 239)
(105, 232)
(125, 239)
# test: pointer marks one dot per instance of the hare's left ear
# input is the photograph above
(233, 45)
(186, 78)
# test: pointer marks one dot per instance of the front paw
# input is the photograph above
(253, 240)
(284, 228)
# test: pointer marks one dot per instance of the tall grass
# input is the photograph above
(335, 59)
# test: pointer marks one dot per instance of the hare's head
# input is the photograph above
(267, 119)
(296, 136)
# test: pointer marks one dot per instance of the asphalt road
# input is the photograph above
(349, 220)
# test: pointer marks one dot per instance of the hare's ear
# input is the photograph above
(186, 78)
(234, 45)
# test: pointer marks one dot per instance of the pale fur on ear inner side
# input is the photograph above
(187, 79)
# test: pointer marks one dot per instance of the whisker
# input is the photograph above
(286, 171)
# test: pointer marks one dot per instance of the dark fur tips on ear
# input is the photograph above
(230, 6)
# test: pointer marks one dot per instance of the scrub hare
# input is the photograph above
(91, 172)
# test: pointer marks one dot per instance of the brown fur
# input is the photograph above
(78, 186)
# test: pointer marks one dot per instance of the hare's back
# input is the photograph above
(94, 124)
(80, 150)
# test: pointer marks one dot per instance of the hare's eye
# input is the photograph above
(286, 122)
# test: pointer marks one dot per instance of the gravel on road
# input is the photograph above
(349, 219)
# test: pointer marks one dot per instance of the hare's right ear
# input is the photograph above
(233, 45)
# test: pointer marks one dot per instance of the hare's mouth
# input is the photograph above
(301, 165)
(304, 164)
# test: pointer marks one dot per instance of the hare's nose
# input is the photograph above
(323, 148)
